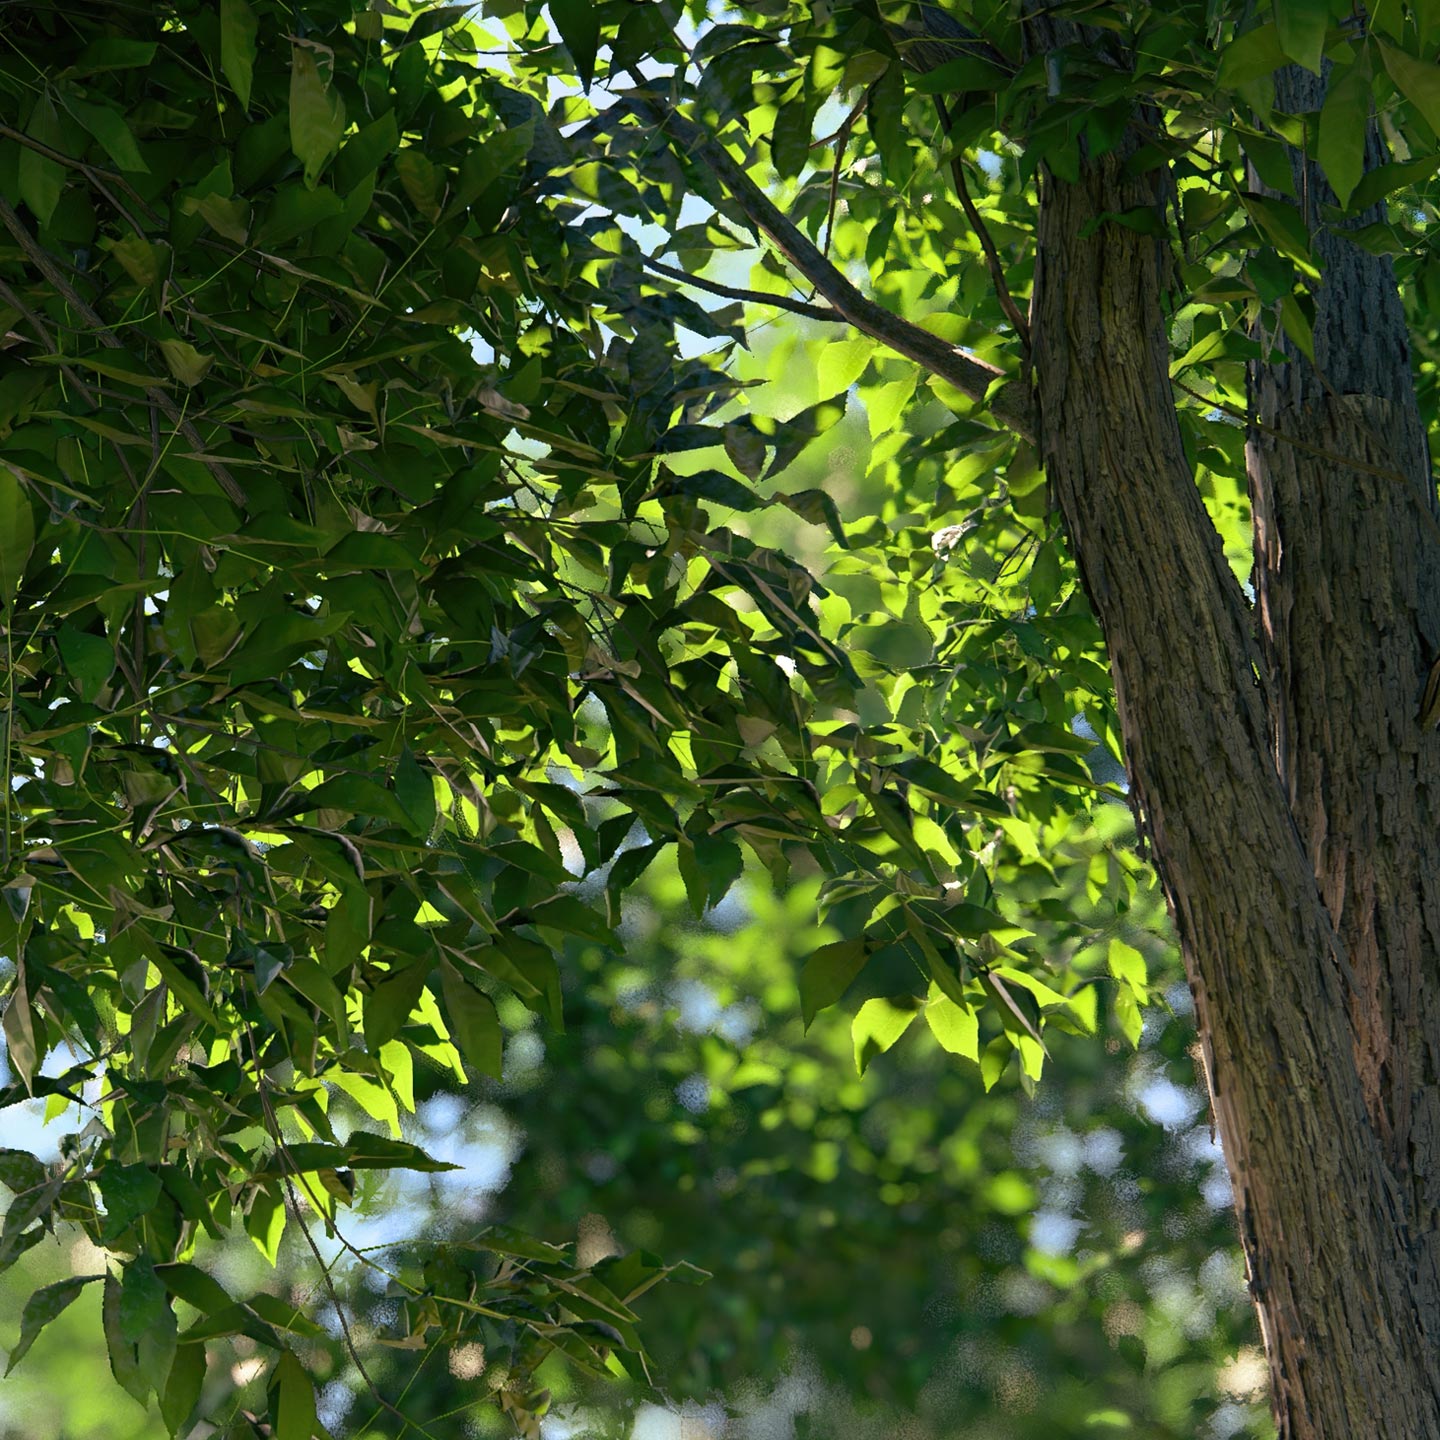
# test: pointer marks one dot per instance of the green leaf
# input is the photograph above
(362, 1151)
(282, 1313)
(473, 1022)
(317, 113)
(1284, 227)
(41, 178)
(963, 75)
(41, 1308)
(1251, 56)
(424, 182)
(827, 974)
(956, 1027)
(1344, 121)
(1127, 964)
(238, 29)
(415, 791)
(182, 1389)
(1296, 324)
(1127, 1012)
(533, 966)
(842, 362)
(716, 486)
(1385, 180)
(578, 22)
(1046, 576)
(993, 1060)
(195, 1287)
(22, 1047)
(366, 550)
(124, 1360)
(1302, 25)
(21, 1171)
(745, 448)
(89, 659)
(293, 1402)
(265, 1222)
(435, 22)
(109, 128)
(144, 1302)
(185, 362)
(387, 1009)
(114, 52)
(1417, 80)
(818, 507)
(493, 157)
(879, 1024)
(129, 1191)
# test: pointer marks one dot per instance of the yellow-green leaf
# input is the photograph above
(956, 1027)
(1127, 965)
(1302, 25)
(317, 114)
(186, 363)
(1127, 1012)
(879, 1025)
(265, 1224)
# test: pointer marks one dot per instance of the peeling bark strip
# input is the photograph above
(1335, 1207)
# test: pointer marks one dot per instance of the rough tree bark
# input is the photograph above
(1275, 750)
(1274, 747)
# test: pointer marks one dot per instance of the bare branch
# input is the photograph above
(1011, 405)
(753, 297)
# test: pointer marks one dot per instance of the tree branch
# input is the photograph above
(982, 233)
(1012, 406)
(753, 297)
(47, 342)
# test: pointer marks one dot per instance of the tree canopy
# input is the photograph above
(401, 556)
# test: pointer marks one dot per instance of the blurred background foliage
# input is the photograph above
(893, 1254)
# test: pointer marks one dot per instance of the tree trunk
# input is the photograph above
(1292, 798)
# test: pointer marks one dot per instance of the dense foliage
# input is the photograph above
(398, 561)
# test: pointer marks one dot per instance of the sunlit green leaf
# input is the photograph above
(879, 1024)
(317, 113)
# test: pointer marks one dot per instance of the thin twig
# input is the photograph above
(45, 264)
(982, 233)
(753, 297)
(842, 142)
(47, 341)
